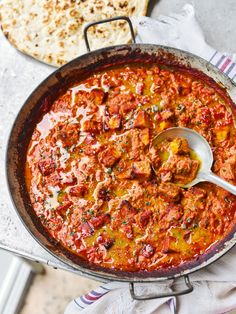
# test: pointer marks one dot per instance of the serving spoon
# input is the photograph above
(201, 147)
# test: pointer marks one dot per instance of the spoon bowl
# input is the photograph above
(202, 148)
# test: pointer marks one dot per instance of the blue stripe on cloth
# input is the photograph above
(105, 288)
(78, 304)
(219, 61)
(234, 76)
(86, 302)
(213, 56)
(96, 293)
(230, 68)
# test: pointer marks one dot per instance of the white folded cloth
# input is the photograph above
(214, 286)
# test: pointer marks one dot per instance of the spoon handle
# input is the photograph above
(213, 178)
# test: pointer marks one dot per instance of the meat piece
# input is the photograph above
(227, 171)
(54, 179)
(79, 190)
(86, 166)
(170, 191)
(102, 191)
(99, 221)
(123, 170)
(203, 115)
(105, 241)
(186, 171)
(97, 96)
(136, 191)
(198, 193)
(143, 218)
(46, 166)
(154, 157)
(99, 175)
(62, 104)
(179, 146)
(122, 103)
(69, 134)
(173, 213)
(86, 229)
(109, 156)
(167, 114)
(168, 245)
(91, 126)
(114, 122)
(147, 251)
(141, 120)
(183, 166)
(91, 100)
(127, 230)
(139, 88)
(126, 210)
(63, 208)
(142, 169)
(180, 169)
(136, 148)
(144, 136)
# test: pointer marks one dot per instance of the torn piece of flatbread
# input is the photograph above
(52, 31)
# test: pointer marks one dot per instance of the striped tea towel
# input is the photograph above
(215, 286)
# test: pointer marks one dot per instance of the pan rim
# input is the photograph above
(86, 271)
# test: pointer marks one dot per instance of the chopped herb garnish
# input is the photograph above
(184, 226)
(72, 233)
(155, 108)
(148, 203)
(181, 107)
(227, 200)
(124, 223)
(108, 170)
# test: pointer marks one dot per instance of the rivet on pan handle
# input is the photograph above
(127, 19)
(164, 294)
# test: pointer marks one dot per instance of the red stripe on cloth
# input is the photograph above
(224, 65)
(91, 298)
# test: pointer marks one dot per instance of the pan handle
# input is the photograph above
(161, 295)
(127, 19)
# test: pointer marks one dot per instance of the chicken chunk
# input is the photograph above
(78, 190)
(92, 126)
(109, 156)
(47, 166)
(170, 191)
(142, 169)
(179, 146)
(141, 120)
(122, 103)
(144, 136)
(114, 122)
(102, 191)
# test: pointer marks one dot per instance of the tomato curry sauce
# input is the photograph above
(90, 169)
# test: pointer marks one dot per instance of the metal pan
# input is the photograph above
(39, 102)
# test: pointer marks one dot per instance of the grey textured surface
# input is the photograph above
(20, 74)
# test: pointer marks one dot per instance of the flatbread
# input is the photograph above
(52, 31)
